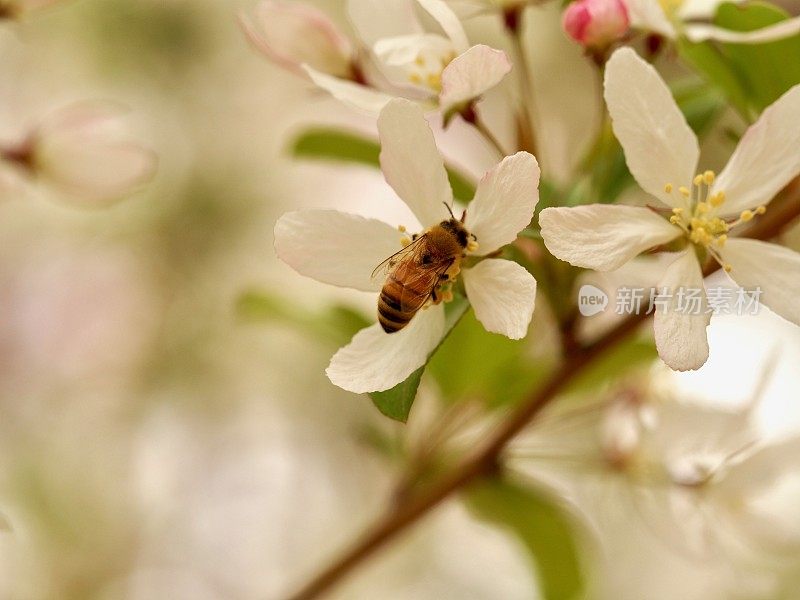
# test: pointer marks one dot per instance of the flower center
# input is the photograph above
(699, 220)
(427, 68)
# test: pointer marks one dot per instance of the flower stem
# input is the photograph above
(486, 459)
(526, 132)
(471, 116)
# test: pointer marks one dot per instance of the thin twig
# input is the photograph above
(486, 459)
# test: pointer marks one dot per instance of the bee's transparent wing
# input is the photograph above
(411, 251)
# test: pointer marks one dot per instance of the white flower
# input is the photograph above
(343, 249)
(84, 153)
(437, 69)
(672, 18)
(662, 154)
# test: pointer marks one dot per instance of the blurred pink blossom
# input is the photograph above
(85, 153)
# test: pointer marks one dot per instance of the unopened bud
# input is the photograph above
(292, 34)
(596, 23)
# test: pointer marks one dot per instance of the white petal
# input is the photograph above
(681, 337)
(335, 247)
(411, 162)
(448, 21)
(773, 268)
(700, 32)
(375, 361)
(353, 94)
(375, 20)
(503, 295)
(603, 237)
(701, 9)
(504, 202)
(468, 76)
(293, 34)
(648, 15)
(766, 159)
(659, 145)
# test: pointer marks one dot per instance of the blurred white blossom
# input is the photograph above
(395, 55)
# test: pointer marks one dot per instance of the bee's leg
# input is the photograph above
(435, 296)
(414, 237)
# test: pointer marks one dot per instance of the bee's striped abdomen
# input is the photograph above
(399, 302)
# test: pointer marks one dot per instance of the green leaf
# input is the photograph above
(500, 372)
(396, 403)
(336, 324)
(768, 70)
(337, 145)
(709, 62)
(544, 527)
(752, 76)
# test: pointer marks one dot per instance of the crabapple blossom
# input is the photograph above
(672, 18)
(396, 56)
(704, 209)
(343, 250)
(84, 153)
(596, 23)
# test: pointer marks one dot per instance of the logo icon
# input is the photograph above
(591, 300)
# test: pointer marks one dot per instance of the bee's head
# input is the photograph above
(457, 228)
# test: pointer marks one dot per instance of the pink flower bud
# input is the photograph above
(292, 34)
(596, 23)
(85, 154)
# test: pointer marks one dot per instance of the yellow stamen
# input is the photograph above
(420, 61)
(708, 177)
(747, 215)
(702, 207)
(668, 188)
(677, 211)
(721, 240)
(717, 199)
(698, 179)
(728, 268)
(405, 241)
(684, 191)
(761, 210)
(435, 81)
(401, 228)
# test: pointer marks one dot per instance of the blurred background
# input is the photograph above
(158, 439)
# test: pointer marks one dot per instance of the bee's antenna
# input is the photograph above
(450, 210)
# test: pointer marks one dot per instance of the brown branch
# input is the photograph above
(485, 461)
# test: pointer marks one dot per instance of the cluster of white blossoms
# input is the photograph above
(342, 249)
(701, 209)
(395, 56)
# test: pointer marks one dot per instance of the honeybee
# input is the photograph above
(416, 273)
